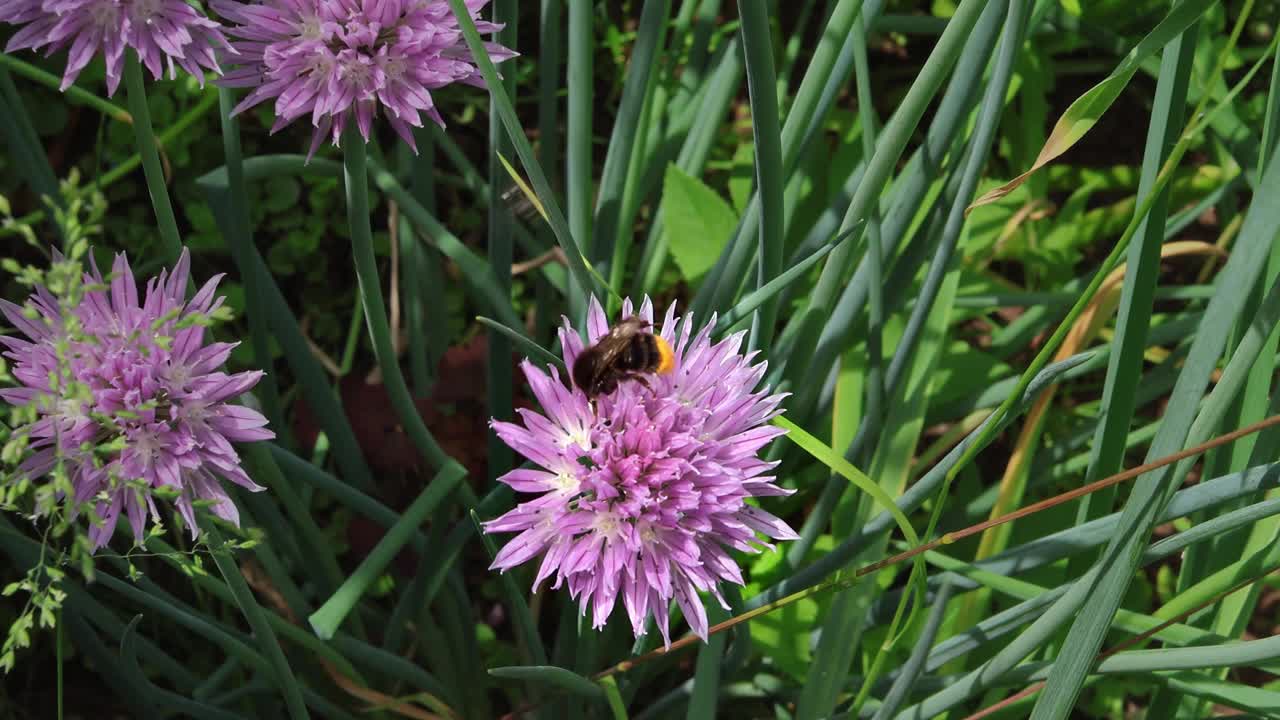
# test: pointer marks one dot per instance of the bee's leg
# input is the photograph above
(642, 380)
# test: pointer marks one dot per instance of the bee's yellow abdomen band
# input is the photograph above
(666, 358)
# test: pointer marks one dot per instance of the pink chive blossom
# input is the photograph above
(643, 492)
(333, 59)
(163, 32)
(130, 397)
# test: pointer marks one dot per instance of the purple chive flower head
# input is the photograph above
(332, 59)
(643, 492)
(130, 397)
(163, 32)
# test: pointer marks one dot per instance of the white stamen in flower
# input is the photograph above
(567, 482)
(145, 10)
(606, 525)
(311, 28)
(104, 15)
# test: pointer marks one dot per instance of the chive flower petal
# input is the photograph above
(642, 492)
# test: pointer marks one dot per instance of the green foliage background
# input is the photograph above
(683, 146)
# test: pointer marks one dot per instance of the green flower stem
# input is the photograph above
(257, 621)
(145, 138)
(542, 187)
(757, 40)
(531, 650)
(131, 163)
(355, 178)
(74, 93)
(499, 380)
(29, 158)
(340, 491)
(287, 630)
(326, 620)
(579, 185)
(255, 294)
(58, 650)
(265, 468)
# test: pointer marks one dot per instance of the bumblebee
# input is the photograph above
(628, 352)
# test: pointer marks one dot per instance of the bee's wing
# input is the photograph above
(612, 346)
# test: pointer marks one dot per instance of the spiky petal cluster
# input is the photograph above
(130, 398)
(332, 59)
(642, 492)
(163, 33)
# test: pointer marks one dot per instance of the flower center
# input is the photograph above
(394, 68)
(319, 65)
(104, 15)
(606, 525)
(310, 28)
(357, 72)
(144, 10)
(178, 376)
(146, 445)
(566, 482)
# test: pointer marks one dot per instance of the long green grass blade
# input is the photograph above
(626, 131)
(1113, 572)
(506, 111)
(757, 41)
(144, 137)
(551, 677)
(257, 619)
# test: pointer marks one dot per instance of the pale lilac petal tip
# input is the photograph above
(153, 386)
(349, 62)
(162, 32)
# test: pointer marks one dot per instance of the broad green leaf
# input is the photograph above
(1084, 113)
(845, 469)
(698, 223)
(783, 635)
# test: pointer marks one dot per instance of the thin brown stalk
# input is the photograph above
(1033, 508)
(946, 539)
(1127, 643)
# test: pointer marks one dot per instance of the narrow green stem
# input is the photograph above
(353, 338)
(627, 134)
(255, 294)
(537, 178)
(501, 231)
(874, 259)
(145, 139)
(265, 468)
(305, 640)
(131, 163)
(356, 180)
(757, 40)
(579, 185)
(24, 142)
(257, 619)
(74, 93)
(326, 620)
(1198, 121)
(58, 640)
